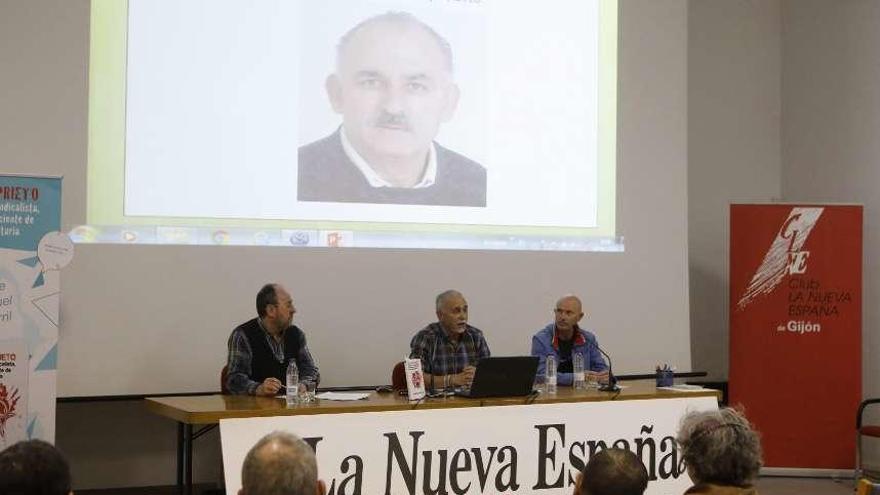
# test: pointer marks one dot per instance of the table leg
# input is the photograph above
(180, 442)
(188, 466)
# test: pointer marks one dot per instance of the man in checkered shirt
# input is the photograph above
(449, 348)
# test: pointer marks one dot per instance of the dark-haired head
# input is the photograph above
(613, 472)
(265, 297)
(33, 467)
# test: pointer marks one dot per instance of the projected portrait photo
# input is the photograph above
(392, 90)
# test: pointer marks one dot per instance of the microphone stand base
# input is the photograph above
(440, 394)
(611, 386)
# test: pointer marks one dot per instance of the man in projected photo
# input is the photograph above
(393, 86)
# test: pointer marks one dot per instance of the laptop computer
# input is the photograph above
(503, 377)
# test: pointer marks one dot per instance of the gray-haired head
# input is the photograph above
(398, 20)
(279, 464)
(720, 447)
(613, 472)
(443, 296)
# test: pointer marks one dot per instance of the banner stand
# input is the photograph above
(796, 331)
(32, 252)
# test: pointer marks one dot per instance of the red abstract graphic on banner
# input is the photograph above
(8, 402)
(785, 256)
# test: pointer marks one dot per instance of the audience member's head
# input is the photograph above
(613, 472)
(720, 448)
(280, 464)
(33, 467)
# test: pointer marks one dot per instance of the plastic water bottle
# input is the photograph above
(292, 385)
(550, 374)
(578, 370)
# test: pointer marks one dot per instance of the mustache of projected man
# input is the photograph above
(393, 87)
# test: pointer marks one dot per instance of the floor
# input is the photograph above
(766, 486)
(151, 490)
(805, 486)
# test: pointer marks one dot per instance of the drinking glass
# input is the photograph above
(306, 392)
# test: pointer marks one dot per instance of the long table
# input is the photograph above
(206, 411)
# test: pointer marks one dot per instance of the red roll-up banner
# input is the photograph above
(796, 329)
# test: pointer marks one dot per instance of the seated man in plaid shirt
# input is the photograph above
(261, 348)
(449, 348)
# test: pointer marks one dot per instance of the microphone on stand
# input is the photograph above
(611, 386)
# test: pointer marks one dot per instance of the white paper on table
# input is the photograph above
(342, 395)
(683, 388)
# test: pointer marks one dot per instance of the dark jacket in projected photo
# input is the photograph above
(327, 174)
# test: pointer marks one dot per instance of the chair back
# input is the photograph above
(870, 431)
(398, 377)
(223, 374)
(866, 487)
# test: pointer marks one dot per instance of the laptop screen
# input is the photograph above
(504, 376)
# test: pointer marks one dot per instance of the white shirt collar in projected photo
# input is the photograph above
(374, 179)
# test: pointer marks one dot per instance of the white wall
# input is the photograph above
(782, 100)
(634, 299)
(782, 97)
(158, 316)
(734, 154)
(43, 104)
(831, 129)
